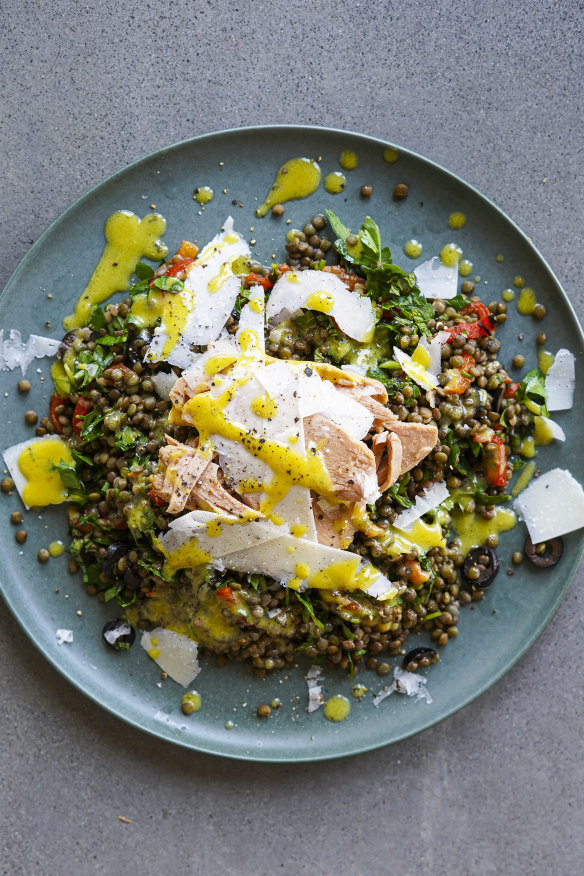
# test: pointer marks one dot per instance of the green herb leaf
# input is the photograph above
(168, 284)
(143, 271)
(531, 392)
(458, 302)
(128, 437)
(305, 601)
(70, 480)
(91, 428)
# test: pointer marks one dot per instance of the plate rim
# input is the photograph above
(535, 633)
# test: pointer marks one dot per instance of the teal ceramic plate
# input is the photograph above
(240, 166)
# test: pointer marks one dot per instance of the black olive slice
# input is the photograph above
(118, 634)
(114, 553)
(83, 334)
(419, 658)
(480, 567)
(545, 554)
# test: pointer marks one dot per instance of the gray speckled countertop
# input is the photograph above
(493, 92)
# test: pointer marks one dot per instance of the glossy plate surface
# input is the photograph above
(493, 635)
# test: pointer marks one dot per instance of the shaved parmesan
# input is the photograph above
(552, 505)
(163, 383)
(432, 497)
(436, 280)
(210, 290)
(409, 683)
(322, 291)
(315, 697)
(64, 637)
(416, 370)
(261, 547)
(560, 382)
(16, 354)
(175, 654)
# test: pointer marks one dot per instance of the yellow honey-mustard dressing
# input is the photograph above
(298, 530)
(473, 531)
(37, 462)
(56, 548)
(390, 154)
(203, 195)
(413, 248)
(191, 702)
(264, 406)
(457, 220)
(337, 708)
(256, 305)
(297, 178)
(526, 301)
(321, 301)
(543, 432)
(524, 478)
(335, 182)
(187, 556)
(421, 536)
(545, 360)
(465, 268)
(348, 159)
(128, 239)
(148, 308)
(450, 255)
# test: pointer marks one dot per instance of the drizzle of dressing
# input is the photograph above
(508, 295)
(297, 178)
(450, 254)
(473, 531)
(337, 708)
(526, 301)
(203, 195)
(545, 360)
(321, 301)
(390, 154)
(348, 159)
(38, 462)
(335, 182)
(523, 479)
(457, 220)
(465, 268)
(128, 239)
(56, 548)
(413, 249)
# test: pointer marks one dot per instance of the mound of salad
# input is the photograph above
(262, 461)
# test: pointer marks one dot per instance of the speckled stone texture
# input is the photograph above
(491, 90)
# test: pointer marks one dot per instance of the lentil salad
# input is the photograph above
(116, 423)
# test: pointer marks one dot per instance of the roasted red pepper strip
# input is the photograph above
(155, 499)
(56, 400)
(495, 460)
(458, 382)
(175, 269)
(472, 329)
(257, 279)
(484, 326)
(82, 408)
(225, 593)
(481, 310)
(511, 390)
